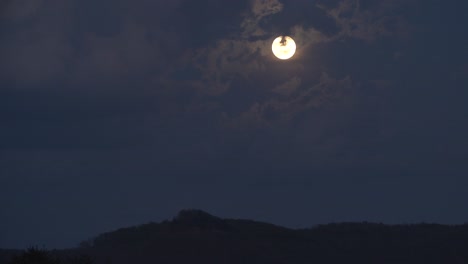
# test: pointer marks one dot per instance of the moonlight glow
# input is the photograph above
(283, 47)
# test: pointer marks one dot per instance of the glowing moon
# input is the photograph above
(283, 47)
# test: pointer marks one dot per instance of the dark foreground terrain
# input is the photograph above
(197, 237)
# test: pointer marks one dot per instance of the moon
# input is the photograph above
(283, 47)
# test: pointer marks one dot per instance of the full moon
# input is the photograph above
(283, 47)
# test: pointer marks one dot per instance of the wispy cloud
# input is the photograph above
(368, 23)
(258, 10)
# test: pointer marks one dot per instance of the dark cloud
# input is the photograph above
(285, 108)
(259, 9)
(17, 10)
(368, 21)
(36, 48)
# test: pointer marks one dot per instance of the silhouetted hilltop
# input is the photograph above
(199, 220)
(194, 236)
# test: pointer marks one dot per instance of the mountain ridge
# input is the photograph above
(198, 237)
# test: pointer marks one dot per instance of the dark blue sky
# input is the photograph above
(117, 112)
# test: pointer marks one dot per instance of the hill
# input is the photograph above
(195, 236)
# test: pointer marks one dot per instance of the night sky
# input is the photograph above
(117, 112)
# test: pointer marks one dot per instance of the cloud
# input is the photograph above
(248, 60)
(296, 99)
(36, 48)
(177, 57)
(19, 9)
(288, 87)
(244, 57)
(307, 37)
(35, 62)
(126, 54)
(227, 60)
(83, 43)
(258, 10)
(262, 8)
(368, 22)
